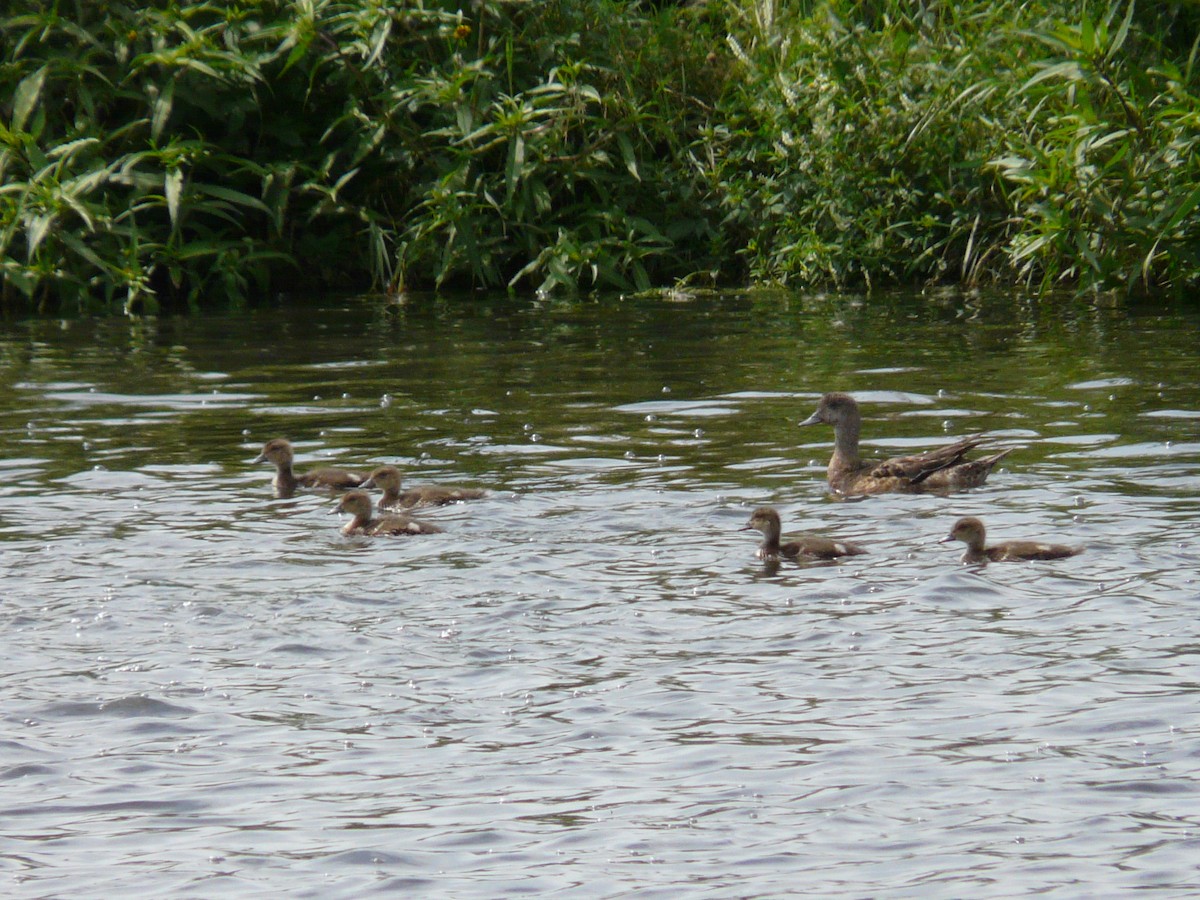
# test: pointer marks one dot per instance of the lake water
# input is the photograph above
(588, 685)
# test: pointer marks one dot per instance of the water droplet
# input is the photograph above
(666, 390)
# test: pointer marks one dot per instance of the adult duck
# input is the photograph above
(935, 471)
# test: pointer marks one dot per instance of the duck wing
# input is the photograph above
(965, 474)
(920, 466)
(1030, 550)
(330, 478)
(815, 547)
(437, 495)
(401, 525)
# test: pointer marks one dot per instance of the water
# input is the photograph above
(589, 686)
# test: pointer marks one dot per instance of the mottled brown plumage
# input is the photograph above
(766, 520)
(940, 470)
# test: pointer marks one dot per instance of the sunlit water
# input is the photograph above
(588, 685)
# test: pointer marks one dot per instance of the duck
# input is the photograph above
(766, 520)
(941, 470)
(387, 478)
(970, 530)
(279, 452)
(358, 504)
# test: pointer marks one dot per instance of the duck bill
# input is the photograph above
(814, 419)
(947, 539)
(262, 457)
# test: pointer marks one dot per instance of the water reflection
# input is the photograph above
(588, 678)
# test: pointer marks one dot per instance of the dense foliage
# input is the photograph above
(194, 149)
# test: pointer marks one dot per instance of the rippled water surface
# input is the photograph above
(588, 685)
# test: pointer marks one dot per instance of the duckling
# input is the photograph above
(941, 470)
(358, 504)
(766, 520)
(388, 479)
(279, 452)
(970, 530)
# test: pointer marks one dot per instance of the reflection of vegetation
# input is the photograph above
(465, 379)
(190, 149)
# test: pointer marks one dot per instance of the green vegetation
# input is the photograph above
(194, 150)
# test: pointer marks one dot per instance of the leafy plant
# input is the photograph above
(1104, 183)
(188, 151)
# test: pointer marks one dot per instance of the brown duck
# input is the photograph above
(279, 452)
(766, 520)
(970, 530)
(387, 479)
(935, 471)
(358, 504)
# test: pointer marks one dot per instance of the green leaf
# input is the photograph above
(36, 231)
(26, 97)
(161, 111)
(1087, 36)
(67, 150)
(1069, 70)
(297, 53)
(1118, 39)
(516, 164)
(1181, 212)
(74, 243)
(628, 155)
(173, 190)
(21, 280)
(238, 197)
